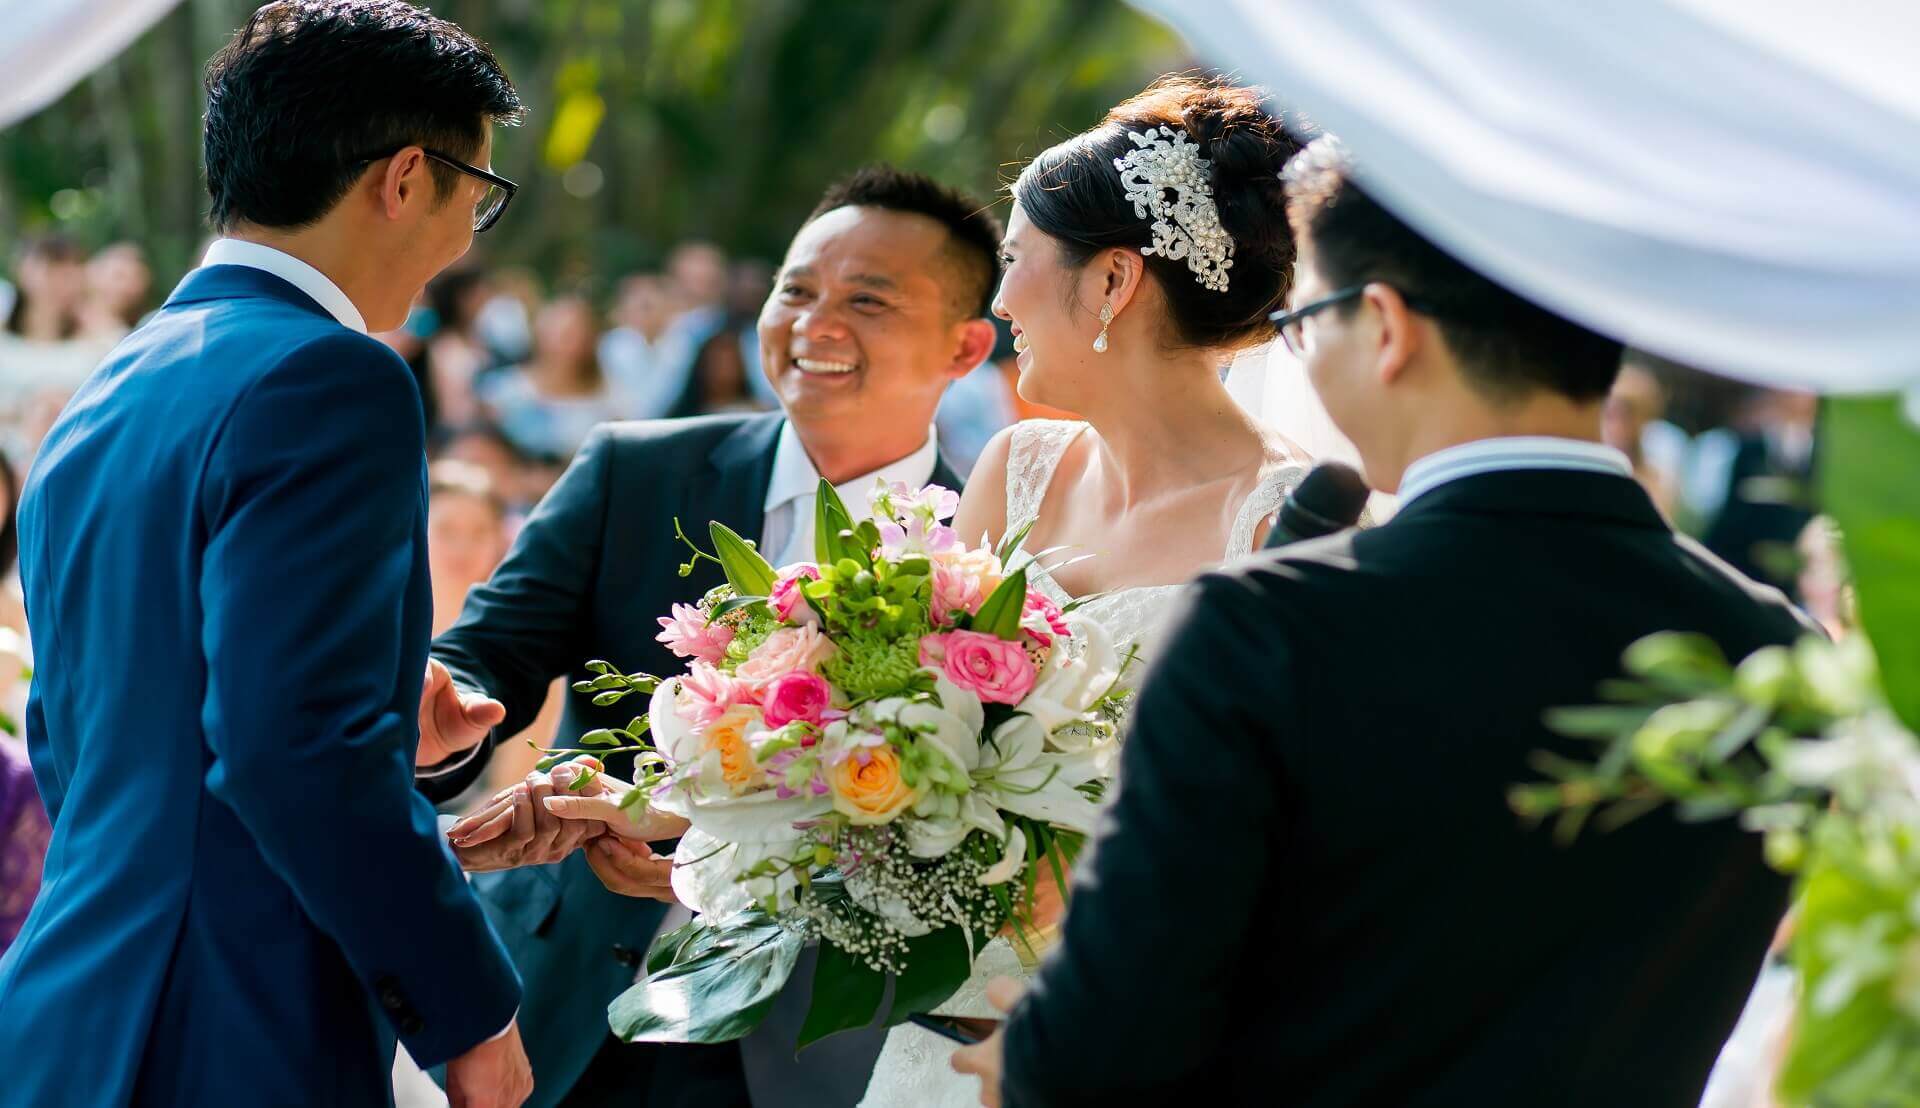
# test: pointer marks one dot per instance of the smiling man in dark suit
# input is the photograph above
(877, 307)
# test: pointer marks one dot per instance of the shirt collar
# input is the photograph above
(291, 270)
(1519, 452)
(794, 474)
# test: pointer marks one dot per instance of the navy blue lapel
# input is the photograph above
(239, 282)
(946, 476)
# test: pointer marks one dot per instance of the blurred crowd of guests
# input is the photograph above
(513, 377)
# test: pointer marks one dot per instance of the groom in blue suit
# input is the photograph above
(224, 556)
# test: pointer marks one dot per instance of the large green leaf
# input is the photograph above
(716, 986)
(846, 994)
(1871, 486)
(746, 570)
(1000, 613)
(937, 965)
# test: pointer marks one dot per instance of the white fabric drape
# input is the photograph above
(48, 46)
(1732, 183)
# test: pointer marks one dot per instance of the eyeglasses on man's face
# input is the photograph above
(1292, 325)
(492, 202)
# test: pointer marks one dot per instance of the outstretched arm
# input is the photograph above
(527, 624)
(313, 505)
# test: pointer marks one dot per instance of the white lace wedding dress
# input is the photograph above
(913, 1070)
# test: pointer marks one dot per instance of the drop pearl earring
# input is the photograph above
(1106, 320)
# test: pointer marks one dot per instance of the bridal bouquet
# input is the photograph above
(878, 750)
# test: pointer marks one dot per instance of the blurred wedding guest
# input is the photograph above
(505, 322)
(24, 829)
(481, 444)
(42, 347)
(635, 353)
(1826, 586)
(456, 354)
(1766, 494)
(547, 405)
(699, 273)
(119, 291)
(466, 534)
(749, 283)
(1634, 414)
(720, 378)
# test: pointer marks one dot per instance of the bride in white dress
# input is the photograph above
(1126, 315)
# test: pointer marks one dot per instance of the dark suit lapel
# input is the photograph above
(742, 466)
(946, 476)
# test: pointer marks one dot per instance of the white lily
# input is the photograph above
(1009, 864)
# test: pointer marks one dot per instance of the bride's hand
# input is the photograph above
(1043, 919)
(599, 801)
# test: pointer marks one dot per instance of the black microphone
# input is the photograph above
(1330, 499)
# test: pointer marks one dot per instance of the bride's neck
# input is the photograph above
(1171, 424)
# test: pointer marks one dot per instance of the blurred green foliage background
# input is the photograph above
(650, 121)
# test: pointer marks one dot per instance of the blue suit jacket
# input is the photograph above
(588, 577)
(224, 553)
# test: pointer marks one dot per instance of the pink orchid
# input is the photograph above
(688, 635)
(1043, 620)
(706, 694)
(787, 602)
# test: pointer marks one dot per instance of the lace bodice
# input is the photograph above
(1134, 615)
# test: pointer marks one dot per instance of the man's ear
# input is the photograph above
(977, 339)
(1399, 333)
(407, 173)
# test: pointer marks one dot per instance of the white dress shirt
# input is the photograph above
(786, 534)
(291, 270)
(1519, 452)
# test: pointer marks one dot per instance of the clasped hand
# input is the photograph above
(544, 818)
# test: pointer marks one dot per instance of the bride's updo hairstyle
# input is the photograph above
(1075, 195)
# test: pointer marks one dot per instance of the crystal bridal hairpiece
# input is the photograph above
(1187, 225)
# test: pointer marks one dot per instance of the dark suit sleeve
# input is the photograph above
(313, 504)
(1137, 995)
(532, 621)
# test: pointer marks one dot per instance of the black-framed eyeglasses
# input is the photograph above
(487, 209)
(1289, 324)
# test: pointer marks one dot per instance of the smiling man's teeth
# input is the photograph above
(814, 365)
(1020, 343)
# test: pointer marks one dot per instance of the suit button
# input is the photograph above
(410, 1025)
(627, 956)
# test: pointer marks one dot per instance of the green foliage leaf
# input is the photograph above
(1001, 613)
(1870, 484)
(937, 965)
(830, 518)
(734, 604)
(1012, 541)
(716, 986)
(746, 570)
(846, 995)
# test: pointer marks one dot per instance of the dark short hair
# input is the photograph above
(973, 230)
(310, 90)
(1507, 345)
(1073, 193)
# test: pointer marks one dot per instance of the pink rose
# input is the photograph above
(1043, 620)
(788, 605)
(962, 581)
(787, 650)
(688, 635)
(990, 667)
(795, 697)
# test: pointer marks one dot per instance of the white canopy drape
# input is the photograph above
(1732, 183)
(47, 46)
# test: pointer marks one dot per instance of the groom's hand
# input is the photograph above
(494, 1074)
(451, 721)
(983, 1059)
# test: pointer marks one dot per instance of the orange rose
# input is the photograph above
(728, 735)
(871, 792)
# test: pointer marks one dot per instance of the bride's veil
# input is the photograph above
(1269, 382)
